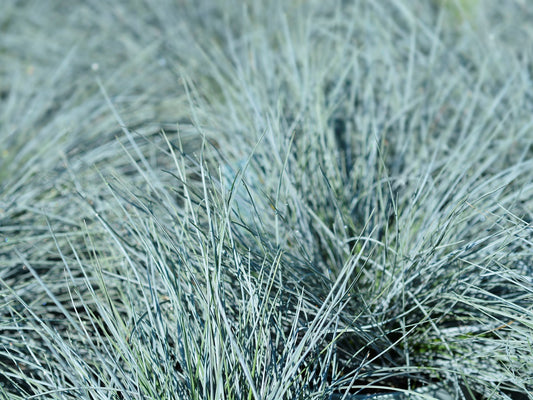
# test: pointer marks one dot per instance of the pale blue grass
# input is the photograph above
(270, 200)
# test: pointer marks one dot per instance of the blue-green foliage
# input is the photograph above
(266, 200)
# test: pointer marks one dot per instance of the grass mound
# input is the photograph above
(266, 200)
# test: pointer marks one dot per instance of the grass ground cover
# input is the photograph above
(266, 200)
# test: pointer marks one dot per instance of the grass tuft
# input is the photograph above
(266, 200)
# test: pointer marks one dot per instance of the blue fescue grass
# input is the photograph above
(267, 200)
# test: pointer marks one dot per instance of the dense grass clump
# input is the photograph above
(266, 200)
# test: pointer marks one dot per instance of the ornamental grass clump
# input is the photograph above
(267, 200)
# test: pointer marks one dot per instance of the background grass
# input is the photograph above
(266, 200)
